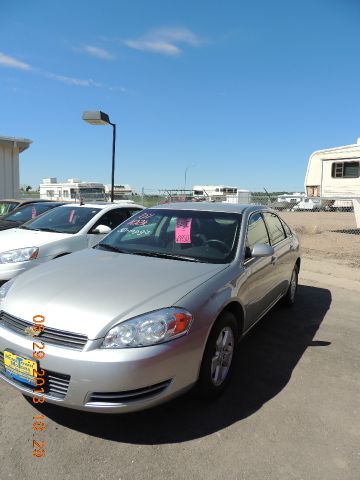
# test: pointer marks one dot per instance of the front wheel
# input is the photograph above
(217, 362)
(290, 296)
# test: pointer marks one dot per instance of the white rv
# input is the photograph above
(209, 192)
(334, 173)
(71, 190)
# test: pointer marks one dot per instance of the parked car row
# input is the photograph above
(152, 303)
(8, 205)
(55, 233)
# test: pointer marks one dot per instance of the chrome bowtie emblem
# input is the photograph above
(32, 331)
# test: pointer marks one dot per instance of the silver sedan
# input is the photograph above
(156, 308)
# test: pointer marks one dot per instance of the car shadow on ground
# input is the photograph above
(264, 364)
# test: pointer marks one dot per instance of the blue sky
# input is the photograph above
(243, 91)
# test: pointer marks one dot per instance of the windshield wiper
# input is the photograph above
(44, 230)
(167, 255)
(105, 246)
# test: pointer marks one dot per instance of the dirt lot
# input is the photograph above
(327, 236)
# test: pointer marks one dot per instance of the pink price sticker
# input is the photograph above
(183, 230)
(71, 217)
(33, 212)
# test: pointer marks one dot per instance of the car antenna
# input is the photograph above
(267, 193)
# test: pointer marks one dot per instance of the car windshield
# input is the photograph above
(69, 219)
(187, 235)
(6, 207)
(27, 212)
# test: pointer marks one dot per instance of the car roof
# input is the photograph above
(27, 204)
(103, 205)
(24, 200)
(211, 207)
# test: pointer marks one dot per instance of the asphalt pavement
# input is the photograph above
(291, 412)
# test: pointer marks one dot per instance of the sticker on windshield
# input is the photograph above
(71, 217)
(183, 230)
(141, 220)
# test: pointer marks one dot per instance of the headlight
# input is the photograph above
(149, 329)
(19, 255)
(4, 290)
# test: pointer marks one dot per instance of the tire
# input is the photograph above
(290, 297)
(215, 377)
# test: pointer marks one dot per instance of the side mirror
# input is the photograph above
(101, 229)
(262, 250)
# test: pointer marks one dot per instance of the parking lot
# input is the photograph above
(291, 412)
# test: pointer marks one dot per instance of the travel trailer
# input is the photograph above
(334, 173)
(71, 190)
(211, 192)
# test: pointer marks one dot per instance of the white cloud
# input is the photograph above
(83, 82)
(165, 40)
(11, 62)
(96, 52)
(152, 46)
(78, 82)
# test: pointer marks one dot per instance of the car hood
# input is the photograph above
(20, 238)
(6, 224)
(89, 291)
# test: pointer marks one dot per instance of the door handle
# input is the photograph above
(273, 259)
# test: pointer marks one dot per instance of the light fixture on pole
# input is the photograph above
(101, 118)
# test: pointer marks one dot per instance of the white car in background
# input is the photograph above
(58, 232)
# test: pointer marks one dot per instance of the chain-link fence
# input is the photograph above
(327, 227)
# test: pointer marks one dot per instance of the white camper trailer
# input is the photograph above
(213, 192)
(71, 190)
(334, 173)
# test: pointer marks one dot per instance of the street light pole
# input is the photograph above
(113, 163)
(101, 118)
(186, 169)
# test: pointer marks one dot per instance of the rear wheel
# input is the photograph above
(217, 362)
(290, 296)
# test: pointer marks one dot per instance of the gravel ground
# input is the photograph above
(327, 236)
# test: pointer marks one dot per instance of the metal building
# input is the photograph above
(10, 148)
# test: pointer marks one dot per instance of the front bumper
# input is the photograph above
(109, 381)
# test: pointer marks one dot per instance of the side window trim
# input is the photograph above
(267, 228)
(258, 212)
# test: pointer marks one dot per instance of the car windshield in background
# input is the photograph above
(188, 235)
(63, 220)
(6, 207)
(27, 212)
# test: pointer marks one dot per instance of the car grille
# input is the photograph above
(56, 384)
(128, 395)
(50, 336)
